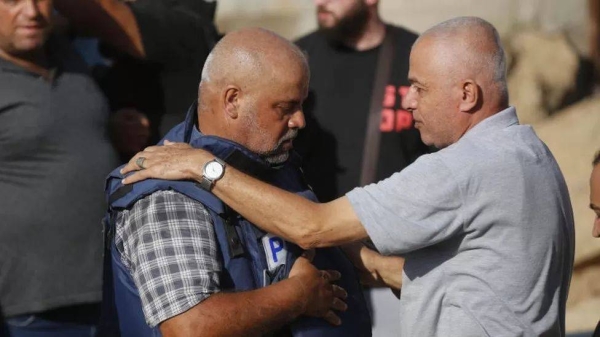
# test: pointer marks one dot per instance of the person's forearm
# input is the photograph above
(277, 211)
(283, 213)
(375, 269)
(112, 21)
(249, 313)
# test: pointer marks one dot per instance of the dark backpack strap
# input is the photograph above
(385, 58)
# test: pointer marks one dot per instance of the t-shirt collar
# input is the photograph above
(53, 58)
(500, 120)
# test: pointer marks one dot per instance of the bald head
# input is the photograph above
(457, 75)
(251, 91)
(470, 47)
(250, 55)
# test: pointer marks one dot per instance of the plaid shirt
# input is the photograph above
(168, 244)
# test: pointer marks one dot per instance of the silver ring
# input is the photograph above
(140, 162)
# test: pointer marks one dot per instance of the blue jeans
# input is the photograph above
(69, 322)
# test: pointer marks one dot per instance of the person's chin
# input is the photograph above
(278, 159)
(424, 138)
(31, 44)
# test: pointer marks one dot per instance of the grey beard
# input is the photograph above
(277, 159)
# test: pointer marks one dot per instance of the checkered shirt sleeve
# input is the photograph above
(167, 242)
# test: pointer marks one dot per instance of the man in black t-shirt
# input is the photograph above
(342, 56)
(159, 48)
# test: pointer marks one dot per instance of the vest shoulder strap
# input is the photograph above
(121, 196)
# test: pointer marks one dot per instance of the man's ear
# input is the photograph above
(231, 101)
(470, 95)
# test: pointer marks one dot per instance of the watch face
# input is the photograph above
(213, 170)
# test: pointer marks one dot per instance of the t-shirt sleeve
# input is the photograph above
(170, 249)
(173, 34)
(415, 208)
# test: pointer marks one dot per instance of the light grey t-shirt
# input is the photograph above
(486, 228)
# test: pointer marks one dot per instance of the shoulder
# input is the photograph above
(449, 167)
(457, 153)
(18, 91)
(309, 40)
(168, 199)
(403, 37)
(61, 51)
(160, 216)
(402, 32)
(166, 209)
(429, 164)
(168, 244)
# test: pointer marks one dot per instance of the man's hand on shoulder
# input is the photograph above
(174, 161)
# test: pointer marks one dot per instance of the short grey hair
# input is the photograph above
(248, 57)
(494, 62)
(245, 53)
(205, 77)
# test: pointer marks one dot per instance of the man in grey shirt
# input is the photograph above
(485, 224)
(54, 156)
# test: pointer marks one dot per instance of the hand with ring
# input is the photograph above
(173, 161)
(140, 162)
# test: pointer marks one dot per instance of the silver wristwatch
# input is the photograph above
(211, 172)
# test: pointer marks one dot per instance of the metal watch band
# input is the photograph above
(207, 183)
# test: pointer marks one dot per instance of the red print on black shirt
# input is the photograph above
(394, 120)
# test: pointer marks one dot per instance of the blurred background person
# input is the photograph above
(344, 55)
(157, 48)
(54, 156)
(594, 38)
(595, 206)
(356, 131)
(595, 194)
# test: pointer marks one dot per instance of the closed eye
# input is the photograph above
(289, 108)
(416, 88)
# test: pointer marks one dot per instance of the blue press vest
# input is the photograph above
(251, 258)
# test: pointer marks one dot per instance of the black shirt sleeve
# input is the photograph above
(173, 33)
